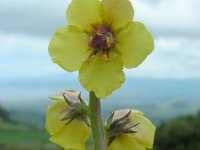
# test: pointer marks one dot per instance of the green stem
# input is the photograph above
(96, 122)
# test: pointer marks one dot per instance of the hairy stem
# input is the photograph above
(96, 122)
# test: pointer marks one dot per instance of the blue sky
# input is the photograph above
(27, 26)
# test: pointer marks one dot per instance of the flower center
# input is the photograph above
(102, 40)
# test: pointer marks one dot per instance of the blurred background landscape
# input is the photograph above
(166, 87)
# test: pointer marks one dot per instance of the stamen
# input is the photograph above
(91, 56)
(99, 34)
(105, 56)
(109, 41)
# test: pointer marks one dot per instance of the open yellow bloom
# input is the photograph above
(99, 41)
(142, 129)
(69, 136)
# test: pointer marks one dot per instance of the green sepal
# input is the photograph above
(116, 126)
(122, 119)
(109, 120)
(78, 109)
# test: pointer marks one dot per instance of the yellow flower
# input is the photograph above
(99, 41)
(71, 135)
(130, 130)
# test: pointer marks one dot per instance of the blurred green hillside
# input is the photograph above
(180, 133)
(17, 136)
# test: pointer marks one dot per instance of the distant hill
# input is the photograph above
(133, 90)
(160, 99)
(158, 112)
(4, 115)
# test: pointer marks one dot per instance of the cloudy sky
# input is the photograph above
(26, 28)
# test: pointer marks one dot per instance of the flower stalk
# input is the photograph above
(96, 122)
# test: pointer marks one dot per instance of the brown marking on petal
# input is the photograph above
(64, 110)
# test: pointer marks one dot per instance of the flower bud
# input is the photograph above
(66, 120)
(129, 129)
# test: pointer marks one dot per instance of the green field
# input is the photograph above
(24, 138)
(27, 140)
(20, 137)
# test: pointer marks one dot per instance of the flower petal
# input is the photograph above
(69, 48)
(72, 94)
(135, 43)
(125, 142)
(102, 77)
(55, 112)
(84, 13)
(118, 12)
(73, 136)
(145, 130)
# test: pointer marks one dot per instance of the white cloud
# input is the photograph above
(41, 17)
(176, 58)
(22, 42)
(35, 17)
(170, 17)
(23, 56)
